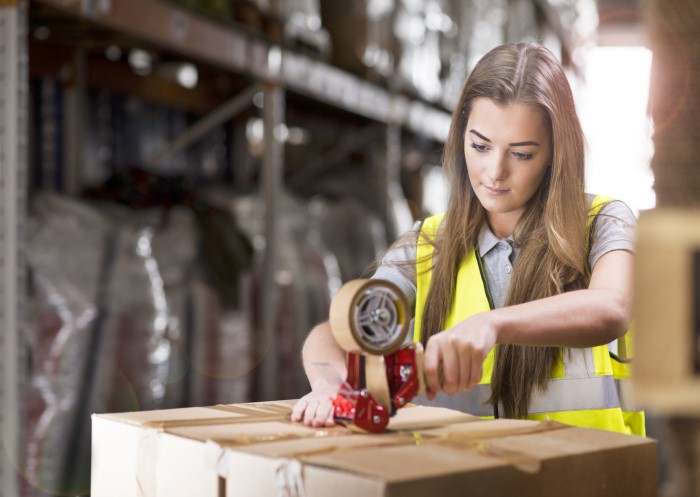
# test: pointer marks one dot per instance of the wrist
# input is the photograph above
(326, 379)
(319, 384)
(499, 325)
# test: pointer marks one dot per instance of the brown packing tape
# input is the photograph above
(376, 380)
(341, 316)
(540, 427)
(273, 408)
(8, 3)
(347, 302)
(348, 332)
(146, 467)
(452, 438)
(519, 460)
(471, 442)
(253, 410)
(475, 441)
(247, 416)
(258, 438)
(181, 423)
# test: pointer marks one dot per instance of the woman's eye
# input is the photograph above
(522, 156)
(479, 147)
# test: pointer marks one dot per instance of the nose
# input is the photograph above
(498, 168)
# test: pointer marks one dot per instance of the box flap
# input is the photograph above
(416, 417)
(195, 416)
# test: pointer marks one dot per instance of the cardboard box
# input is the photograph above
(667, 311)
(254, 450)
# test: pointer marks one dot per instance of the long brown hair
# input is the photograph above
(551, 232)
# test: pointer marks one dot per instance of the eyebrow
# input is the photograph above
(516, 144)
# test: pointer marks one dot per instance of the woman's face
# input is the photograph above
(507, 150)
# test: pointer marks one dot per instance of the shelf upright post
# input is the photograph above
(392, 178)
(75, 106)
(271, 189)
(14, 110)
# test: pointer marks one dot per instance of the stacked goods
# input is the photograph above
(362, 36)
(667, 286)
(667, 367)
(219, 10)
(110, 296)
(254, 450)
(675, 99)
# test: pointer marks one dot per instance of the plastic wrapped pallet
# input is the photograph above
(147, 298)
(67, 241)
(307, 274)
(111, 300)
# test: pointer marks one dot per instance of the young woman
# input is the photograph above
(522, 288)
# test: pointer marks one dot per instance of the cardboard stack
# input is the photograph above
(667, 272)
(254, 450)
(667, 312)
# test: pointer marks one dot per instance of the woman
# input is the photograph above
(522, 288)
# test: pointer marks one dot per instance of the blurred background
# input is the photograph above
(186, 183)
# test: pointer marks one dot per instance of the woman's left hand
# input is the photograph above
(454, 357)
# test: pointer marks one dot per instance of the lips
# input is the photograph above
(496, 191)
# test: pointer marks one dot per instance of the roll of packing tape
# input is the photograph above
(376, 381)
(369, 317)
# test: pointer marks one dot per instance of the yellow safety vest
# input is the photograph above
(588, 387)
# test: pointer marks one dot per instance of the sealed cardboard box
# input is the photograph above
(667, 311)
(254, 450)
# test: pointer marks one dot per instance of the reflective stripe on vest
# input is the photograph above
(585, 389)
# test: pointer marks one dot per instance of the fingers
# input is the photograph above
(324, 414)
(431, 363)
(471, 365)
(453, 362)
(446, 369)
(466, 362)
(476, 372)
(451, 365)
(299, 410)
(314, 410)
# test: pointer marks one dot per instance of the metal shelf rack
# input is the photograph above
(234, 49)
(266, 65)
(14, 108)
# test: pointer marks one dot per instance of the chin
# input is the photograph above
(495, 207)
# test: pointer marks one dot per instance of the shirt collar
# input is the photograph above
(487, 240)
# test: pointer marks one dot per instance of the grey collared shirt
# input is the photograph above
(498, 256)
(614, 229)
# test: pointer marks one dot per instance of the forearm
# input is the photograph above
(583, 318)
(320, 346)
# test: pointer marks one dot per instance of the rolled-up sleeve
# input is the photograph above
(399, 266)
(614, 229)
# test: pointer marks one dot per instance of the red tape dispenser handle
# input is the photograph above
(369, 320)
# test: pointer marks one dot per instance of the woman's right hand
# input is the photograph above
(316, 407)
(454, 357)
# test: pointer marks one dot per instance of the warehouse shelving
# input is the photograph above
(258, 64)
(176, 29)
(13, 171)
(255, 60)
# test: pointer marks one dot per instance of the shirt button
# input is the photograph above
(508, 269)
